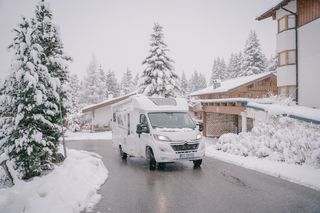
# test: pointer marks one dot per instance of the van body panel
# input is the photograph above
(180, 144)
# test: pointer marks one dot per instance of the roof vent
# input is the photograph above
(216, 83)
(164, 101)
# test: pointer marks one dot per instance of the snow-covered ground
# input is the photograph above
(69, 188)
(304, 174)
(72, 136)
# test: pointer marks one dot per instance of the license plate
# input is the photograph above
(186, 155)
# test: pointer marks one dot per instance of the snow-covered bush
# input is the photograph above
(278, 138)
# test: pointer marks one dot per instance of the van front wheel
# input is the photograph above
(197, 163)
(151, 159)
(123, 155)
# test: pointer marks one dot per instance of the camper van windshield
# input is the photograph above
(171, 120)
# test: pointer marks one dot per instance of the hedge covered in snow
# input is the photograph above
(279, 138)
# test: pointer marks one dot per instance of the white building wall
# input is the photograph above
(286, 40)
(102, 116)
(309, 64)
(286, 75)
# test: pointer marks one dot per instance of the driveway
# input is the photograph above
(216, 187)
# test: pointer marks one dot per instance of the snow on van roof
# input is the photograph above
(230, 84)
(164, 101)
(147, 103)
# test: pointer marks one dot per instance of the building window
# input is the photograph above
(287, 22)
(286, 57)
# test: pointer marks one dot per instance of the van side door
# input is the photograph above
(145, 138)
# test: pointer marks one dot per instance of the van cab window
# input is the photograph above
(171, 120)
(143, 119)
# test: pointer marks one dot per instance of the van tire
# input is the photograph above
(197, 163)
(161, 165)
(151, 160)
(123, 155)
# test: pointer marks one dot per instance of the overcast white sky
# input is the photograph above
(117, 31)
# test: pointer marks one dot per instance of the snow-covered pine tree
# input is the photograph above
(102, 80)
(74, 114)
(127, 84)
(158, 77)
(197, 81)
(235, 64)
(272, 64)
(92, 89)
(253, 59)
(184, 86)
(28, 112)
(219, 70)
(113, 87)
(202, 82)
(47, 35)
(136, 81)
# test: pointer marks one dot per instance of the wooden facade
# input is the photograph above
(307, 10)
(256, 89)
(220, 117)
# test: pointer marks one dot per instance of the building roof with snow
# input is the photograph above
(108, 102)
(272, 11)
(231, 84)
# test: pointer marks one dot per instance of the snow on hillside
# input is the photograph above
(69, 188)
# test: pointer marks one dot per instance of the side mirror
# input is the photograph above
(200, 127)
(139, 129)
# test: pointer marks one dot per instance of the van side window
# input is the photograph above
(143, 119)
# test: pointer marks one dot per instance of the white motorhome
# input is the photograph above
(157, 129)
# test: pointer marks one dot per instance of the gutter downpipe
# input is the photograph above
(296, 32)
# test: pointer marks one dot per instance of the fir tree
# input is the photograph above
(184, 86)
(127, 84)
(136, 81)
(219, 70)
(158, 77)
(75, 106)
(272, 64)
(47, 35)
(92, 89)
(113, 87)
(29, 108)
(235, 64)
(197, 82)
(102, 81)
(253, 59)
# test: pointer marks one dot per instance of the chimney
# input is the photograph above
(216, 83)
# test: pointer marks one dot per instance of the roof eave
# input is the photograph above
(272, 11)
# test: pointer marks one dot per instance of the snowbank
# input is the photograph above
(69, 188)
(280, 109)
(278, 138)
(301, 174)
(73, 136)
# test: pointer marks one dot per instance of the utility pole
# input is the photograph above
(63, 140)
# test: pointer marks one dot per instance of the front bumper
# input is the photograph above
(165, 153)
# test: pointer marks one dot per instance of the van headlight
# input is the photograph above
(161, 138)
(199, 136)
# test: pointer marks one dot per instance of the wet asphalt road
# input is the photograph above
(216, 187)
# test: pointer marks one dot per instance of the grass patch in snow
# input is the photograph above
(69, 188)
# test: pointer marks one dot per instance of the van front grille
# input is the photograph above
(184, 147)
